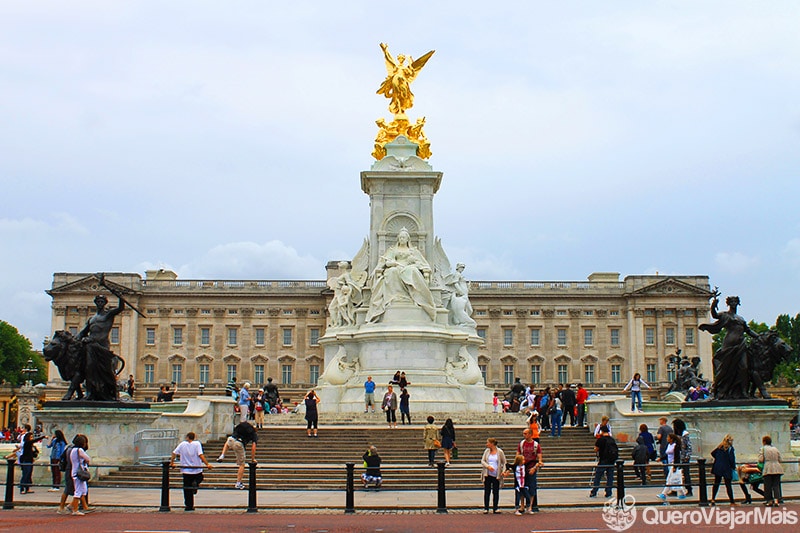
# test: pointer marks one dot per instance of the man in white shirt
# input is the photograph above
(192, 461)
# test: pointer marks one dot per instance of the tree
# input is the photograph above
(789, 330)
(15, 351)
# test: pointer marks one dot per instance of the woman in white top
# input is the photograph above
(493, 465)
(79, 458)
(674, 480)
(635, 385)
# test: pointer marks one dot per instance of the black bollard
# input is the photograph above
(440, 489)
(701, 485)
(620, 483)
(349, 498)
(9, 501)
(252, 504)
(164, 487)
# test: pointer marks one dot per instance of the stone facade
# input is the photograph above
(598, 331)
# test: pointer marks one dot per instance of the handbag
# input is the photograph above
(83, 473)
(734, 475)
(437, 443)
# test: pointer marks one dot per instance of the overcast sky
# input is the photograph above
(224, 140)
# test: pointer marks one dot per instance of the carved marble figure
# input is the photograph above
(455, 298)
(346, 296)
(402, 274)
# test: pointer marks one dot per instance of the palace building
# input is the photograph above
(203, 333)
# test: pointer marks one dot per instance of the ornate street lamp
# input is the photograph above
(30, 372)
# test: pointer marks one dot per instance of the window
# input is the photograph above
(313, 312)
(688, 312)
(286, 374)
(535, 337)
(481, 333)
(508, 337)
(588, 374)
(671, 372)
(287, 312)
(287, 336)
(232, 336)
(205, 311)
(204, 373)
(261, 311)
(480, 313)
(149, 373)
(534, 313)
(689, 335)
(508, 313)
(205, 336)
(613, 313)
(483, 372)
(177, 373)
(177, 337)
(114, 335)
(669, 336)
(258, 374)
(178, 312)
(259, 336)
(651, 373)
(668, 312)
(561, 337)
(313, 374)
(650, 336)
(536, 374)
(231, 373)
(74, 331)
(150, 336)
(614, 336)
(561, 313)
(588, 337)
(588, 313)
(563, 373)
(508, 374)
(233, 311)
(616, 374)
(313, 337)
(648, 312)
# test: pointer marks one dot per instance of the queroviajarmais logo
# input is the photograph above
(620, 516)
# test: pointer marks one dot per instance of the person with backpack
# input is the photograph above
(607, 454)
(530, 449)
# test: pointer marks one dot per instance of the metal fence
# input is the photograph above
(154, 446)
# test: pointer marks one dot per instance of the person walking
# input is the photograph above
(26, 459)
(192, 460)
(635, 385)
(130, 386)
(493, 466)
(243, 434)
(389, 405)
(405, 413)
(521, 496)
(607, 454)
(568, 399)
(646, 438)
(244, 402)
(431, 439)
(530, 449)
(679, 427)
(369, 395)
(312, 417)
(448, 433)
(674, 481)
(80, 460)
(770, 456)
(58, 444)
(723, 468)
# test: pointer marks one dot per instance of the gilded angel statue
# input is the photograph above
(397, 85)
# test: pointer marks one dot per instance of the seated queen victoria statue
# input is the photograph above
(401, 275)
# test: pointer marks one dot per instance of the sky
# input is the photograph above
(225, 140)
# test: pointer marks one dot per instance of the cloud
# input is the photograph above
(61, 223)
(735, 262)
(792, 252)
(250, 260)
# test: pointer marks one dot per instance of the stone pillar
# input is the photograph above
(27, 398)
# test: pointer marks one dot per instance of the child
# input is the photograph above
(522, 497)
(496, 403)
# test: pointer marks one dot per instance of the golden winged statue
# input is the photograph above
(397, 85)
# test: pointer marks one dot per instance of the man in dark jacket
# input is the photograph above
(607, 454)
(568, 403)
(373, 463)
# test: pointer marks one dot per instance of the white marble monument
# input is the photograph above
(399, 306)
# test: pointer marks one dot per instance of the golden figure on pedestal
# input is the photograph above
(396, 87)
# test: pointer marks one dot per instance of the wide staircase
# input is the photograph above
(289, 460)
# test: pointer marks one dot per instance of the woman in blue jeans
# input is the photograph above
(635, 385)
(556, 412)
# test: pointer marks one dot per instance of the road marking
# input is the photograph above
(562, 530)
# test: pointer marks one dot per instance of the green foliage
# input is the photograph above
(789, 330)
(15, 350)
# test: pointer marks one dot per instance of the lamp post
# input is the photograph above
(29, 371)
